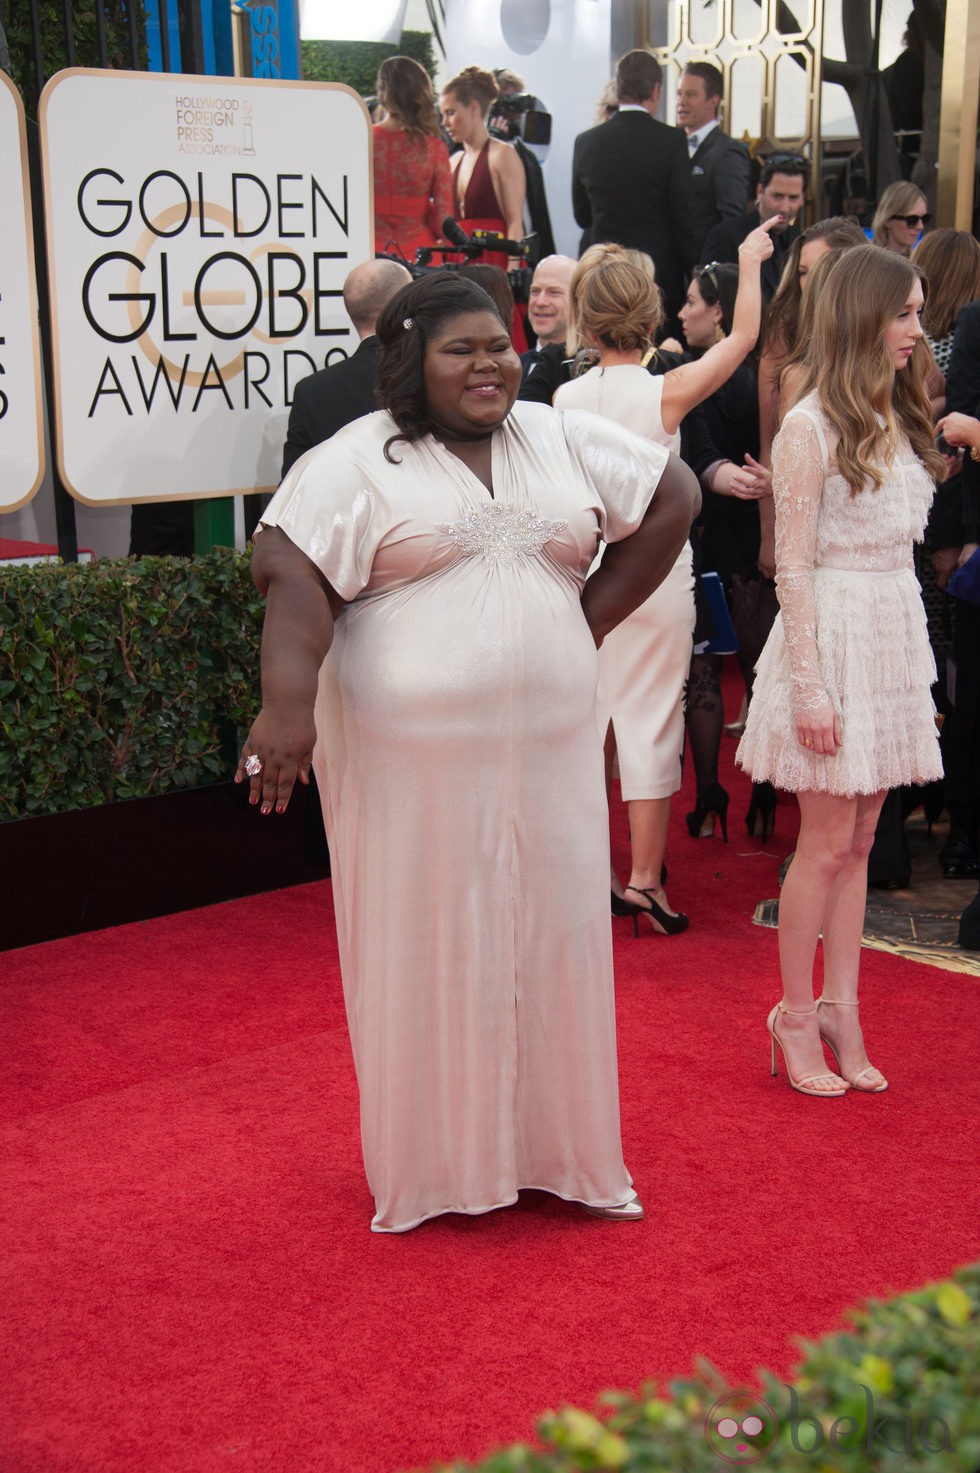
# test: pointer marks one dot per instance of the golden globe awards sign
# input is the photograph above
(199, 233)
(21, 432)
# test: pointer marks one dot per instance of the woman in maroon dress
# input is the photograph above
(412, 194)
(488, 177)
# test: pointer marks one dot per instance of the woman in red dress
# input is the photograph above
(412, 194)
(488, 177)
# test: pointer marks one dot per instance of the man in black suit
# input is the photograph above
(781, 191)
(330, 399)
(631, 179)
(719, 165)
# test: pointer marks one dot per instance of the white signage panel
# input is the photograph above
(199, 233)
(21, 424)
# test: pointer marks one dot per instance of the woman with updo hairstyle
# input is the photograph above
(616, 309)
(489, 184)
(841, 710)
(412, 192)
(430, 647)
(901, 217)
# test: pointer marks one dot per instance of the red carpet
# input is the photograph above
(188, 1280)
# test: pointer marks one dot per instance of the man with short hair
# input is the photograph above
(781, 191)
(631, 179)
(719, 165)
(547, 312)
(326, 401)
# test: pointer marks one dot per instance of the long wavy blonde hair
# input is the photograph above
(851, 369)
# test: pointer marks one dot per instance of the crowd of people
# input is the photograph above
(489, 592)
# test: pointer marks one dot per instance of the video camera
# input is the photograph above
(520, 115)
(471, 248)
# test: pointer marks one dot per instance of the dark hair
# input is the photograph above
(494, 282)
(718, 285)
(404, 329)
(784, 163)
(405, 90)
(714, 82)
(637, 73)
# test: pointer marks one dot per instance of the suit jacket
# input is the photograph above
(720, 176)
(723, 240)
(326, 401)
(631, 183)
(963, 394)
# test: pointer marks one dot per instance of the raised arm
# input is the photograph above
(692, 383)
(296, 635)
(631, 569)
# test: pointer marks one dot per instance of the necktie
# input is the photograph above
(692, 144)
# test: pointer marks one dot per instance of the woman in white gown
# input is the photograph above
(841, 709)
(444, 544)
(615, 308)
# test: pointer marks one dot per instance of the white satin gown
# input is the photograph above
(462, 781)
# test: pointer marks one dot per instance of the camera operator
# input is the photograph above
(520, 118)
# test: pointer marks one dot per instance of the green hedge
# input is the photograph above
(900, 1392)
(122, 679)
(85, 39)
(356, 63)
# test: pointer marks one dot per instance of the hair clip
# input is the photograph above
(407, 323)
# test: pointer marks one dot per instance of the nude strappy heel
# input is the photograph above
(801, 1084)
(868, 1089)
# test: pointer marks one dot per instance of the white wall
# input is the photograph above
(562, 50)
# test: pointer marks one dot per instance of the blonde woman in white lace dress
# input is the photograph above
(842, 710)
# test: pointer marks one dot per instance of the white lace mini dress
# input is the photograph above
(851, 627)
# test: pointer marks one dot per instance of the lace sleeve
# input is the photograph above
(797, 483)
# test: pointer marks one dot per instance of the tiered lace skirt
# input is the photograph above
(877, 666)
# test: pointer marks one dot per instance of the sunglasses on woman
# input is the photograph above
(912, 220)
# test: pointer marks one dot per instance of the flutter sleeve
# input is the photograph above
(798, 470)
(622, 469)
(330, 510)
(441, 202)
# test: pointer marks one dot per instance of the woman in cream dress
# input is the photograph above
(841, 710)
(443, 544)
(615, 308)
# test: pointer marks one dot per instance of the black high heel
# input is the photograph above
(660, 919)
(712, 799)
(761, 817)
(623, 907)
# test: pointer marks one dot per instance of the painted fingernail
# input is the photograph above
(253, 798)
(266, 808)
(280, 807)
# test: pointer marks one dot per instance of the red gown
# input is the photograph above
(412, 192)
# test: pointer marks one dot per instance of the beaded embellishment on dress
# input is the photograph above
(501, 533)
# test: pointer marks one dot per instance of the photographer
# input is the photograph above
(521, 119)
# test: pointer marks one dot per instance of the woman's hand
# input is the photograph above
(751, 481)
(960, 429)
(757, 245)
(945, 561)
(819, 730)
(281, 741)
